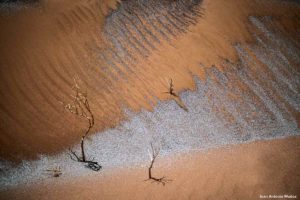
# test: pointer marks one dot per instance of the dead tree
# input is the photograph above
(176, 97)
(80, 107)
(171, 89)
(153, 156)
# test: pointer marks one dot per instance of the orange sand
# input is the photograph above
(238, 172)
(43, 49)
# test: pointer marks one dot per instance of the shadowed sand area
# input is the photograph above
(240, 172)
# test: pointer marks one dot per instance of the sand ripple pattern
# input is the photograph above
(256, 98)
(135, 29)
(76, 38)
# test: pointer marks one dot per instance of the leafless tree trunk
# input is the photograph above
(171, 89)
(80, 107)
(175, 96)
(153, 156)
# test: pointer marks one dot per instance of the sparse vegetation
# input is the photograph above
(175, 96)
(80, 107)
(153, 155)
(171, 89)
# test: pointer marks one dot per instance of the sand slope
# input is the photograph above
(124, 60)
(246, 54)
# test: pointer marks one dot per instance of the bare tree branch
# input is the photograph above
(80, 106)
(171, 89)
(153, 156)
(176, 97)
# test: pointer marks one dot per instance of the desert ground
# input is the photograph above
(240, 172)
(230, 130)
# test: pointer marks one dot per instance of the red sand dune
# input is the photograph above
(245, 52)
(43, 48)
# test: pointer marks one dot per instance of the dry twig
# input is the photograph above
(171, 89)
(176, 97)
(153, 156)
